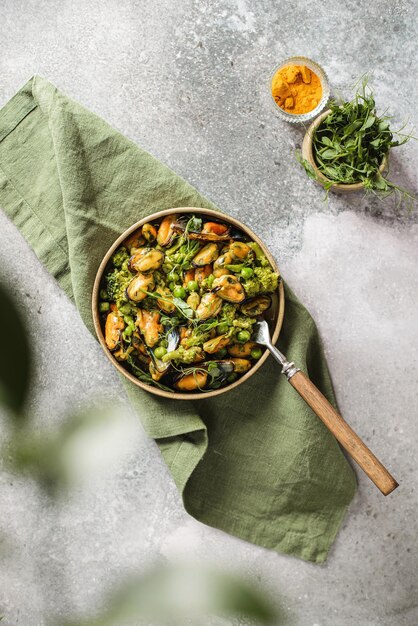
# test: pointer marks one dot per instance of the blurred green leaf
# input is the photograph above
(15, 358)
(55, 457)
(171, 595)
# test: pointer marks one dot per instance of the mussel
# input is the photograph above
(208, 254)
(165, 302)
(241, 365)
(256, 306)
(134, 241)
(149, 232)
(166, 231)
(193, 300)
(224, 259)
(146, 260)
(198, 379)
(149, 325)
(209, 306)
(193, 381)
(138, 287)
(239, 250)
(211, 231)
(202, 272)
(229, 288)
(113, 329)
(217, 343)
(241, 349)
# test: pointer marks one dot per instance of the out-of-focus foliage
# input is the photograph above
(172, 595)
(15, 357)
(58, 457)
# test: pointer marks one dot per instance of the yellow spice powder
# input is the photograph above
(296, 89)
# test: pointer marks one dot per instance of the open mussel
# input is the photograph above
(138, 287)
(149, 232)
(216, 231)
(241, 349)
(149, 326)
(211, 231)
(209, 306)
(166, 232)
(207, 255)
(229, 288)
(256, 306)
(146, 260)
(198, 379)
(113, 329)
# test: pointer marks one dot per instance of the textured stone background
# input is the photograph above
(187, 79)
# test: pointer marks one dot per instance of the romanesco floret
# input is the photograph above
(268, 279)
(183, 355)
(228, 312)
(121, 255)
(244, 323)
(263, 281)
(116, 285)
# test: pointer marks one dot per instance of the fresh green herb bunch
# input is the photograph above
(351, 142)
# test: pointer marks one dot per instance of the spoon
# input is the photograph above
(326, 412)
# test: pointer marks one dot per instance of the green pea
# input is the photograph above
(247, 272)
(126, 309)
(243, 336)
(256, 353)
(172, 286)
(179, 292)
(103, 294)
(192, 285)
(167, 267)
(129, 320)
(222, 328)
(128, 331)
(103, 307)
(209, 280)
(173, 277)
(160, 352)
(232, 377)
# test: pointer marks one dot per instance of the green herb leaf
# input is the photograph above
(184, 307)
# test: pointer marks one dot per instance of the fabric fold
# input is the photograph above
(254, 462)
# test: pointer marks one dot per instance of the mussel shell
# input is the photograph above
(226, 366)
(256, 306)
(173, 339)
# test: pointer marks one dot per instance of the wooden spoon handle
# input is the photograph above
(343, 433)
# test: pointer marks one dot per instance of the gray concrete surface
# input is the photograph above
(188, 81)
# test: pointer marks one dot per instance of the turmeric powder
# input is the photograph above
(296, 89)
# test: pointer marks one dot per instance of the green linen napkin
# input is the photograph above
(254, 462)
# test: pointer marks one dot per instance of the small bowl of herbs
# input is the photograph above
(347, 147)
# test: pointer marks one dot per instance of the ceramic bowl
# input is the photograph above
(303, 118)
(274, 315)
(307, 154)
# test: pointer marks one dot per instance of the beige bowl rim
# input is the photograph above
(96, 316)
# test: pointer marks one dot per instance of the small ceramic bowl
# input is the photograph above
(307, 154)
(274, 315)
(303, 118)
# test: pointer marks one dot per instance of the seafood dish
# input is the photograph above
(178, 301)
